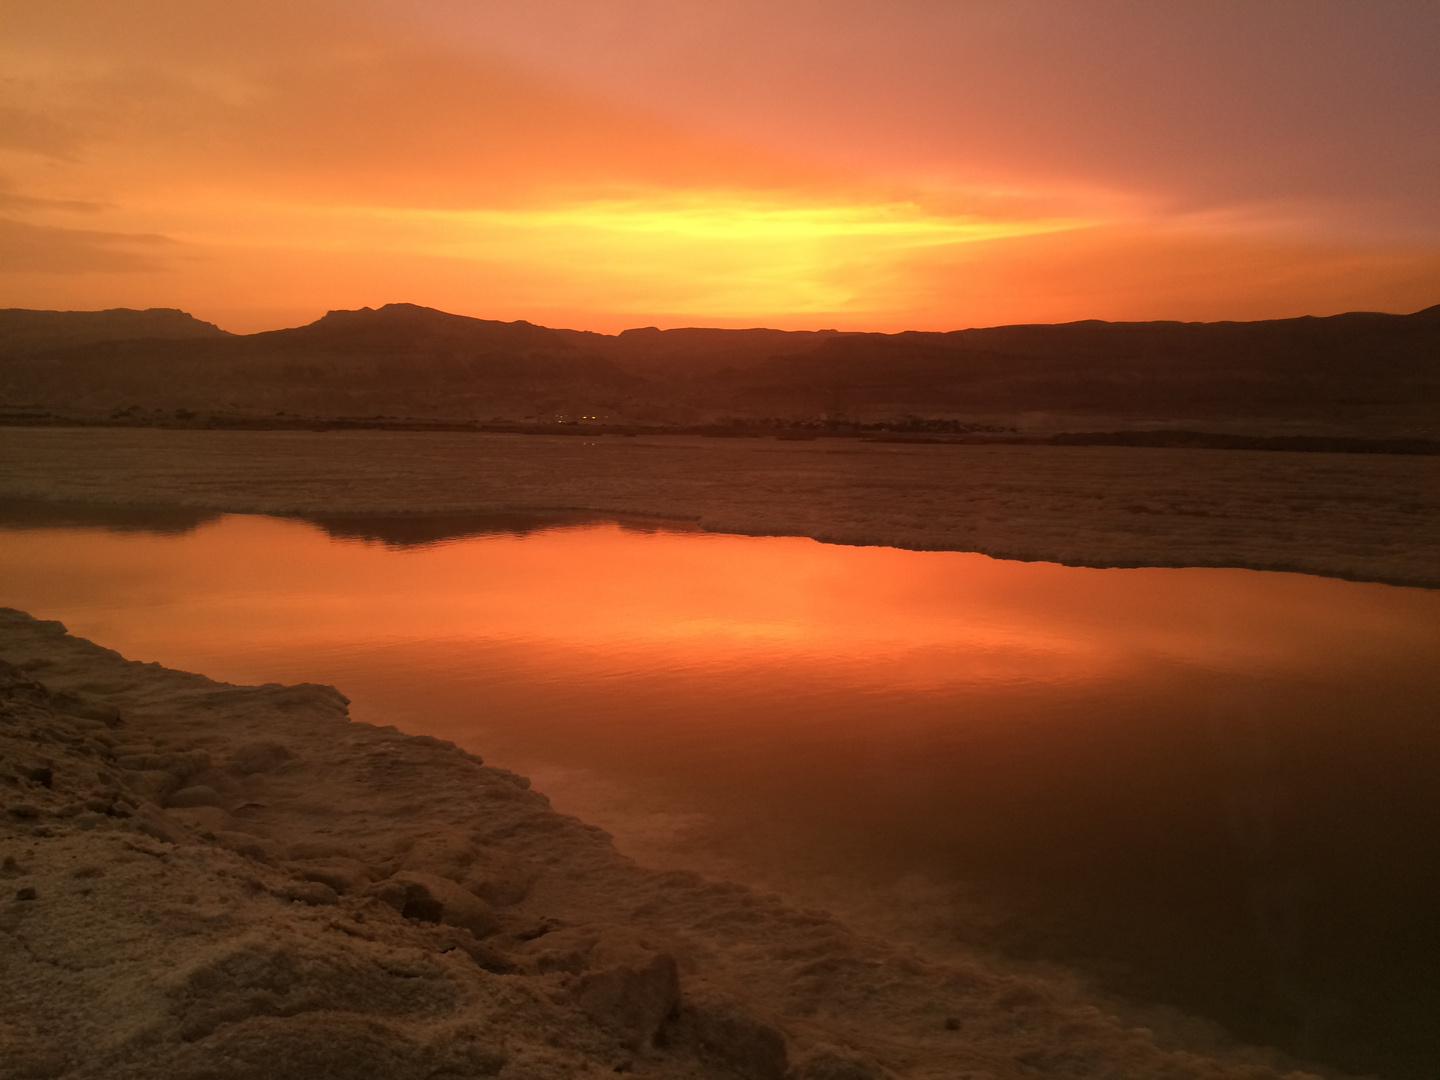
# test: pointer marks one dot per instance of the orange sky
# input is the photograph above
(612, 163)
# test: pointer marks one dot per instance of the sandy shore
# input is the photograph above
(213, 881)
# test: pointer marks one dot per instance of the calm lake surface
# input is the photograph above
(1213, 789)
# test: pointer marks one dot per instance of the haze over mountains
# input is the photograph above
(1361, 373)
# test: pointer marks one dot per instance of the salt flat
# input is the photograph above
(1360, 516)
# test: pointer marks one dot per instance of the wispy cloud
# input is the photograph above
(49, 249)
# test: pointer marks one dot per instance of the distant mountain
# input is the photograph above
(399, 361)
(1360, 373)
(1361, 369)
(692, 352)
(24, 332)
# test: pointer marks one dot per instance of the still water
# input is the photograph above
(1214, 789)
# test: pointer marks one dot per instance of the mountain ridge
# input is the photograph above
(1356, 373)
(26, 330)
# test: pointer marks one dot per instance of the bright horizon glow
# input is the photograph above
(815, 258)
(629, 162)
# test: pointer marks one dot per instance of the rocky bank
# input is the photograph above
(200, 880)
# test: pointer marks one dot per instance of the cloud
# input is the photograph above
(1198, 105)
(47, 249)
(341, 109)
(20, 202)
(23, 129)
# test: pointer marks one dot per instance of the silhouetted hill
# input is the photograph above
(401, 360)
(1362, 373)
(692, 352)
(1359, 369)
(411, 330)
(23, 332)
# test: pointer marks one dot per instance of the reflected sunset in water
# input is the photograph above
(1102, 767)
(659, 594)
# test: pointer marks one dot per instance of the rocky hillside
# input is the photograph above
(1365, 374)
(25, 333)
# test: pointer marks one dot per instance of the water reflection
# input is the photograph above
(1209, 787)
(424, 530)
(393, 531)
(161, 521)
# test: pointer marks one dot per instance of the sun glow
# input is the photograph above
(730, 218)
(727, 253)
(733, 255)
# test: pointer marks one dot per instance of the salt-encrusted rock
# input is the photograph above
(195, 795)
(152, 784)
(391, 893)
(341, 874)
(242, 843)
(632, 991)
(496, 876)
(315, 893)
(500, 878)
(430, 898)
(279, 971)
(156, 825)
(324, 848)
(430, 740)
(336, 1046)
(446, 855)
(452, 939)
(85, 707)
(554, 949)
(44, 775)
(723, 1031)
(836, 1063)
(259, 757)
(183, 764)
(87, 820)
(311, 698)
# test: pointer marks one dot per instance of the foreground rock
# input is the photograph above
(200, 880)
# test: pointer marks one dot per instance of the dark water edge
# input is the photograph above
(154, 520)
(1277, 878)
(921, 430)
(396, 531)
(1284, 885)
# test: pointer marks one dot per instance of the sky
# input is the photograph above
(603, 164)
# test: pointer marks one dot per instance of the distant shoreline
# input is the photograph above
(941, 433)
(1359, 516)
